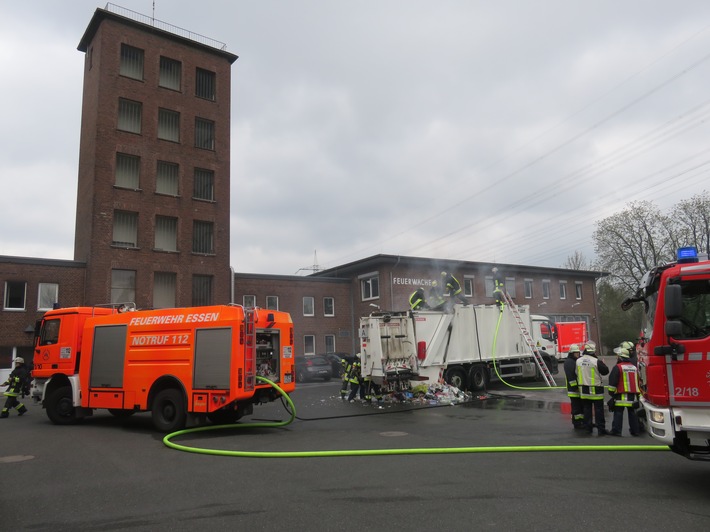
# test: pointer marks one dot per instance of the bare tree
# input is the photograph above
(691, 222)
(577, 261)
(631, 242)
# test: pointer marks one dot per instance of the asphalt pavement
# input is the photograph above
(117, 474)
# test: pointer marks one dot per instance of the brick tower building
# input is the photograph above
(152, 221)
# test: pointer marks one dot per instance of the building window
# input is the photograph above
(205, 84)
(545, 289)
(489, 286)
(128, 171)
(328, 306)
(468, 286)
(370, 287)
(129, 115)
(330, 343)
(168, 125)
(578, 290)
(47, 296)
(167, 178)
(249, 301)
(563, 289)
(308, 306)
(510, 286)
(170, 73)
(164, 284)
(204, 134)
(203, 237)
(272, 302)
(15, 292)
(528, 286)
(123, 286)
(165, 233)
(131, 62)
(125, 229)
(204, 184)
(309, 345)
(201, 290)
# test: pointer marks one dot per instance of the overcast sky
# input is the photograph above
(474, 130)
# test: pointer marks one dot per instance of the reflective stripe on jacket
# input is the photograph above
(589, 377)
(623, 384)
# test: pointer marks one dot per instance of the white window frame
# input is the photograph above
(578, 290)
(369, 282)
(272, 302)
(563, 290)
(468, 285)
(309, 338)
(329, 343)
(545, 289)
(309, 301)
(510, 286)
(7, 293)
(325, 306)
(249, 301)
(51, 295)
(528, 288)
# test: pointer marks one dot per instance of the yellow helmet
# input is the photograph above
(622, 353)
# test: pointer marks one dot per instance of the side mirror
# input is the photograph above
(673, 302)
(673, 328)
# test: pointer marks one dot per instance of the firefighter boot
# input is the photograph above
(21, 410)
(4, 413)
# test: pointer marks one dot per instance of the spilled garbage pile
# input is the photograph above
(423, 394)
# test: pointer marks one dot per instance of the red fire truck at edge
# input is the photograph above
(184, 365)
(674, 353)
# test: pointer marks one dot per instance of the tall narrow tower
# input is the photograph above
(152, 220)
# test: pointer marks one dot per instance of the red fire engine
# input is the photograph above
(674, 353)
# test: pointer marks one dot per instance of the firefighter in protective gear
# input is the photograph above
(631, 348)
(591, 389)
(355, 380)
(570, 367)
(417, 300)
(624, 389)
(452, 287)
(436, 299)
(372, 389)
(17, 384)
(347, 367)
(498, 288)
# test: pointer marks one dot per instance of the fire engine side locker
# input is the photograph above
(107, 367)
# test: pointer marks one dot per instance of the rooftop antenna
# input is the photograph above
(153, 12)
(315, 267)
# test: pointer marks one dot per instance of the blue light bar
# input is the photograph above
(687, 254)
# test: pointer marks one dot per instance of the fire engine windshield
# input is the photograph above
(696, 308)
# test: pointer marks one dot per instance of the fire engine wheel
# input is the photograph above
(59, 406)
(478, 377)
(456, 377)
(168, 411)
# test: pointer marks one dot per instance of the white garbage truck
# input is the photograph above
(465, 346)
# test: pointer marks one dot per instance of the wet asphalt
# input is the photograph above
(111, 474)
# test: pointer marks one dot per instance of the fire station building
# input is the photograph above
(153, 213)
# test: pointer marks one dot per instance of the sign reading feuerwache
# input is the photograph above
(411, 281)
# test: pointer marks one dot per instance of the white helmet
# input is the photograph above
(19, 360)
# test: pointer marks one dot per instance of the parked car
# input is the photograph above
(336, 362)
(313, 367)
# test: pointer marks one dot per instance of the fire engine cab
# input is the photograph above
(674, 353)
